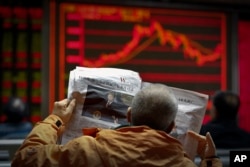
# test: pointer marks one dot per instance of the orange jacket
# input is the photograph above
(125, 147)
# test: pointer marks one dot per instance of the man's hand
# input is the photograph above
(64, 109)
(206, 147)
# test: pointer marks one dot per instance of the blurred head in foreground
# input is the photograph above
(15, 110)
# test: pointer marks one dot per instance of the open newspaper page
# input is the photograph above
(191, 110)
(103, 96)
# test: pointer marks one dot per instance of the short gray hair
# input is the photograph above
(154, 106)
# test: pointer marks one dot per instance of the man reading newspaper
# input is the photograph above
(146, 142)
(92, 87)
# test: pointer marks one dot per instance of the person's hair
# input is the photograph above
(226, 104)
(154, 106)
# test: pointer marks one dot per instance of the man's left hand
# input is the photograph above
(64, 109)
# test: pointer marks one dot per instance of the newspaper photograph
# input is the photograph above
(106, 105)
(103, 96)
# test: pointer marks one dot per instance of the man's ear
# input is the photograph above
(170, 127)
(129, 115)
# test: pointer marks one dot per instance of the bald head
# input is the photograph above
(154, 106)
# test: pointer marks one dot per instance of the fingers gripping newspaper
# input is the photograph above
(103, 96)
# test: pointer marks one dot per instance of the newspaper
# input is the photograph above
(103, 96)
(191, 110)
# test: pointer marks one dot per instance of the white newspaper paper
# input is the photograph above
(104, 94)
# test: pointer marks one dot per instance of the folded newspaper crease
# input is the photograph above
(104, 94)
